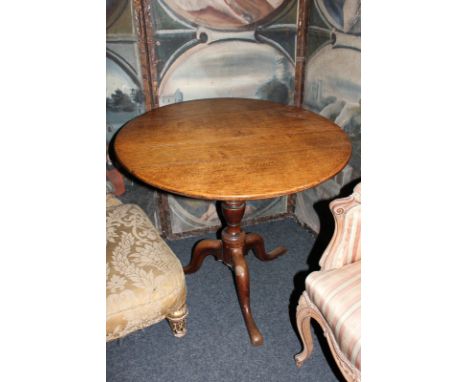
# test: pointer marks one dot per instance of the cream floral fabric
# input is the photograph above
(144, 279)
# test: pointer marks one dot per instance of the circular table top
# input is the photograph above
(232, 149)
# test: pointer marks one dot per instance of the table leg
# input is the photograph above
(255, 241)
(233, 238)
(203, 249)
(231, 249)
(241, 272)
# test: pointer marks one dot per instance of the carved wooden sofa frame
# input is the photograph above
(344, 249)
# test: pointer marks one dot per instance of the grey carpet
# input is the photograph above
(217, 346)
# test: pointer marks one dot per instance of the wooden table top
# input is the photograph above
(232, 149)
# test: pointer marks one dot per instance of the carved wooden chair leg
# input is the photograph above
(255, 241)
(178, 321)
(303, 316)
(241, 272)
(203, 249)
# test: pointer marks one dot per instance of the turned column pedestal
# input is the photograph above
(231, 249)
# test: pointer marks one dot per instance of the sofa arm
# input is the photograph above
(345, 245)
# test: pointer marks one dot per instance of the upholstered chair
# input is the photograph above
(332, 295)
(145, 282)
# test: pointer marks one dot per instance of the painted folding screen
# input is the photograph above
(332, 88)
(218, 48)
(125, 97)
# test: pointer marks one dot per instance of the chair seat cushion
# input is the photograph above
(145, 280)
(337, 294)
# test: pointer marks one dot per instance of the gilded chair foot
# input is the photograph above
(178, 327)
(178, 322)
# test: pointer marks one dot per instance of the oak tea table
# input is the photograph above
(232, 150)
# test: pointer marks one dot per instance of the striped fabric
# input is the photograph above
(345, 246)
(337, 294)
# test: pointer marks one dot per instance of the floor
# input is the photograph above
(217, 346)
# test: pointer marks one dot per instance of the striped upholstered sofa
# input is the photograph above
(145, 282)
(333, 295)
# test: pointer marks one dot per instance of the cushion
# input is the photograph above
(145, 280)
(337, 294)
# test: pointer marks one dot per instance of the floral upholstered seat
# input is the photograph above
(333, 295)
(145, 281)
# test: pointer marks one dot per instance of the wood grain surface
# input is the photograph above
(232, 149)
